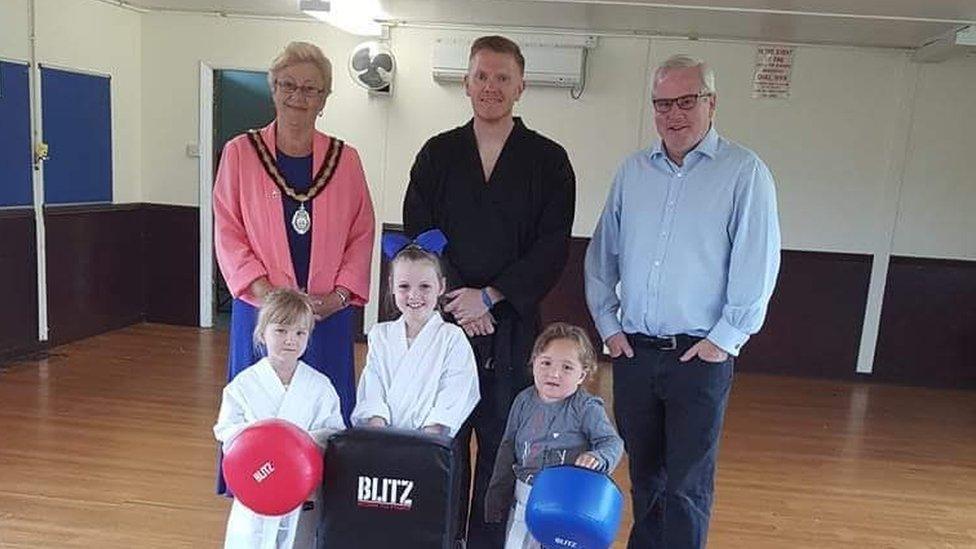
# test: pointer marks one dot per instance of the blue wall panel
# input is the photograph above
(77, 121)
(15, 136)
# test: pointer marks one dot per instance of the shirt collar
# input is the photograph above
(708, 146)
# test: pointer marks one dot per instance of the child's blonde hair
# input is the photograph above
(569, 332)
(283, 306)
(415, 253)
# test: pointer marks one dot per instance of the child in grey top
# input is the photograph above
(554, 422)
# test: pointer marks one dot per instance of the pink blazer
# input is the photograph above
(250, 237)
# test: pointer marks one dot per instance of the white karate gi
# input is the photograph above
(433, 381)
(309, 402)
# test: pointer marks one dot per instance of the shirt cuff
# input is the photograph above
(607, 326)
(240, 281)
(729, 338)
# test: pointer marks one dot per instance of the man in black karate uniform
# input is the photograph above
(504, 196)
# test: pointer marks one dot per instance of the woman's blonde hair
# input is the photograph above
(283, 306)
(302, 52)
(569, 332)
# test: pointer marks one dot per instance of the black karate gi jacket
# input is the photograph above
(511, 233)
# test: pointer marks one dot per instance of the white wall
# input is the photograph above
(832, 145)
(89, 36)
(828, 145)
(98, 37)
(872, 153)
(596, 130)
(174, 47)
(13, 29)
(856, 128)
(836, 146)
(939, 197)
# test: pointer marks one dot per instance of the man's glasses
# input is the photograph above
(685, 102)
(289, 88)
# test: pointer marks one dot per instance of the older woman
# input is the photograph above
(292, 209)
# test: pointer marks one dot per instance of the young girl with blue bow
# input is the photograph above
(420, 370)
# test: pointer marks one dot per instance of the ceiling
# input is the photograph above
(879, 23)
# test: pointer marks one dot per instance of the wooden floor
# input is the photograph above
(107, 443)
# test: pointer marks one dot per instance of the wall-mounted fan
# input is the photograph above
(371, 66)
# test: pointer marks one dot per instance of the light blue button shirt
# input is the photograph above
(695, 248)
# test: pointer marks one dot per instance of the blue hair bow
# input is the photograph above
(432, 241)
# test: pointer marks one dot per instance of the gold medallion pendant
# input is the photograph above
(301, 222)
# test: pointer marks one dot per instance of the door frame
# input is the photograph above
(205, 176)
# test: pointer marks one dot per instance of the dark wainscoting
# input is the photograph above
(928, 323)
(172, 264)
(95, 269)
(108, 266)
(18, 265)
(815, 317)
(385, 308)
(566, 302)
(813, 327)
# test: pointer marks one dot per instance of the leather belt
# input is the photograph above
(662, 343)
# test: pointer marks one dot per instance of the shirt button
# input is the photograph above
(679, 174)
(657, 263)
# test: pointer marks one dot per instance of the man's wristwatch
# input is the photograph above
(486, 299)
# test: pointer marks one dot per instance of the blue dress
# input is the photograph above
(330, 347)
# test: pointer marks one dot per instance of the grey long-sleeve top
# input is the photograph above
(541, 434)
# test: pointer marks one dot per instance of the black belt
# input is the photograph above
(662, 343)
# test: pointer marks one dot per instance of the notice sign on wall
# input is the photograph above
(774, 65)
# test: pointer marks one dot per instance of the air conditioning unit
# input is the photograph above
(946, 45)
(549, 60)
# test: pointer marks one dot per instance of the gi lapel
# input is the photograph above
(298, 405)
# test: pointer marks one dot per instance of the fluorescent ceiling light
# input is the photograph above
(966, 36)
(353, 16)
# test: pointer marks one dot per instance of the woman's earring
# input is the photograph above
(320, 114)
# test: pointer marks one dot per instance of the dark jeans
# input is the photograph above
(670, 416)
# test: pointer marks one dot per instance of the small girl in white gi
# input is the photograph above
(279, 386)
(420, 371)
(554, 422)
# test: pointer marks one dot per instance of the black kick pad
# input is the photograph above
(386, 488)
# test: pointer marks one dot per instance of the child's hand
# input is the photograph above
(588, 460)
(376, 421)
(435, 429)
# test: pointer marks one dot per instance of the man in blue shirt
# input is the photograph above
(690, 233)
